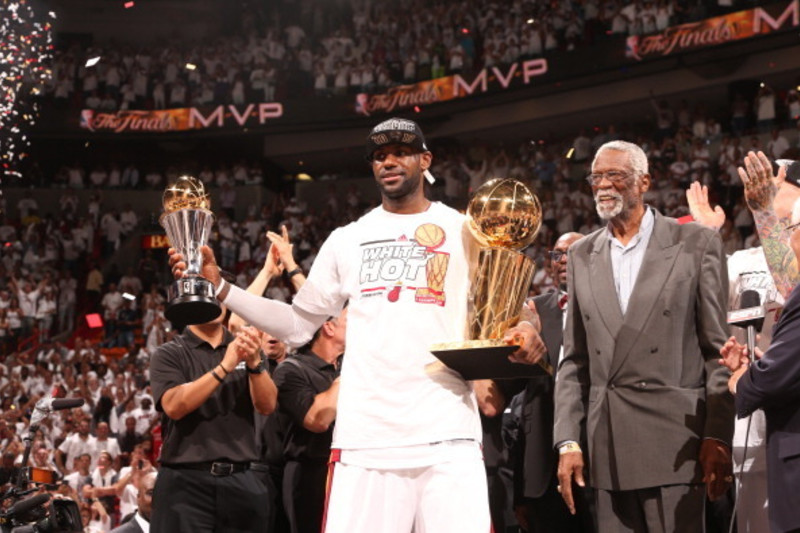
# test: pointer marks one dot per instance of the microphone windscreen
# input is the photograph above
(66, 403)
(750, 298)
(22, 507)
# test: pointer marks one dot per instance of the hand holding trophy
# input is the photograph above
(504, 216)
(187, 219)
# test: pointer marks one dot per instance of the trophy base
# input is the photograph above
(486, 359)
(191, 301)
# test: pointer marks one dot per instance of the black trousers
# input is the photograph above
(549, 513)
(194, 501)
(304, 494)
(272, 478)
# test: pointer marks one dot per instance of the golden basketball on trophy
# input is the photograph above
(504, 216)
(187, 220)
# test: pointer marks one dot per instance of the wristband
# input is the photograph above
(294, 272)
(260, 368)
(569, 447)
(223, 369)
(222, 290)
(216, 376)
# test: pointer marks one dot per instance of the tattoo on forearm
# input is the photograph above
(780, 256)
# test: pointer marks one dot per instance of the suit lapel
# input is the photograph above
(656, 267)
(552, 326)
(602, 283)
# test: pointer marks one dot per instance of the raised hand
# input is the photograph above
(282, 246)
(760, 185)
(700, 208)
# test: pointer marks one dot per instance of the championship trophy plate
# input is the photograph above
(187, 220)
(504, 216)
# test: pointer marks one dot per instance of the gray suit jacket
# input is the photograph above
(131, 526)
(651, 378)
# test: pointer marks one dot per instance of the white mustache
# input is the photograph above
(607, 195)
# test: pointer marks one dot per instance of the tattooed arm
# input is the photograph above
(760, 190)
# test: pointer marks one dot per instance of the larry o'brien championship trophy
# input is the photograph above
(504, 216)
(188, 219)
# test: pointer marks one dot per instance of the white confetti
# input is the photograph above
(25, 52)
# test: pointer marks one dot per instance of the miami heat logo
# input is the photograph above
(388, 267)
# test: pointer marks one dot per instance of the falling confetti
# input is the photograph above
(25, 52)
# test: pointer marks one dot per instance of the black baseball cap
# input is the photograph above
(395, 131)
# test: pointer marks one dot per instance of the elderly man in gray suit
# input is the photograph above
(645, 323)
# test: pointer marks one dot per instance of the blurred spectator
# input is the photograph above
(129, 438)
(777, 145)
(75, 445)
(765, 108)
(81, 476)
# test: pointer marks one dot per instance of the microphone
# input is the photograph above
(749, 316)
(22, 507)
(51, 404)
(47, 405)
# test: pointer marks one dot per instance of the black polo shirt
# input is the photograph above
(222, 428)
(299, 379)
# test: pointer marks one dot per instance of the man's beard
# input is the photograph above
(622, 208)
(607, 213)
(410, 184)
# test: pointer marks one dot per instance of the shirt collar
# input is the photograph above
(193, 341)
(144, 524)
(645, 228)
(315, 361)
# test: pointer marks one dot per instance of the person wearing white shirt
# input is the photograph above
(145, 415)
(105, 444)
(140, 522)
(75, 445)
(81, 475)
(777, 145)
(104, 479)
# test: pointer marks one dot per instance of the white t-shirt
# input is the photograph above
(73, 446)
(407, 280)
(748, 270)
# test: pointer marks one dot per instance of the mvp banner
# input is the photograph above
(180, 119)
(714, 31)
(450, 87)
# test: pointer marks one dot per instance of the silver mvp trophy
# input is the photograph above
(188, 219)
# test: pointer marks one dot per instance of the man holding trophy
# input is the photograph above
(209, 383)
(407, 440)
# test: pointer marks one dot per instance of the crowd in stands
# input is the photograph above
(114, 176)
(347, 47)
(55, 268)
